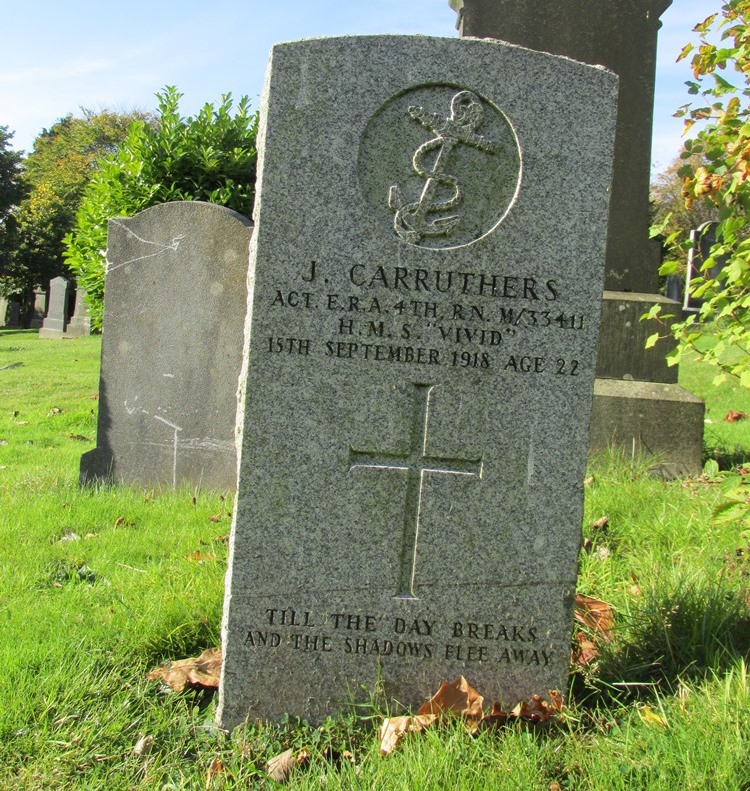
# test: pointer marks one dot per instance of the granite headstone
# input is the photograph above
(427, 272)
(80, 321)
(39, 308)
(174, 309)
(55, 321)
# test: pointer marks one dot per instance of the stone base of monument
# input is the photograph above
(638, 405)
(52, 329)
(652, 419)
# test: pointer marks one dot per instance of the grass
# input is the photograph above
(98, 586)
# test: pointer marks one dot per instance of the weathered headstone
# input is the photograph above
(39, 310)
(175, 302)
(55, 321)
(80, 321)
(622, 35)
(427, 268)
(13, 314)
(3, 311)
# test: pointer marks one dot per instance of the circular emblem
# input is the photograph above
(440, 166)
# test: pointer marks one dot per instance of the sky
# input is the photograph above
(58, 57)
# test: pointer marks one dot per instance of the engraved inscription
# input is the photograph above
(416, 462)
(412, 221)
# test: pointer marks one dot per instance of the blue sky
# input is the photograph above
(57, 57)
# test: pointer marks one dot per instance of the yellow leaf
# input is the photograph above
(650, 717)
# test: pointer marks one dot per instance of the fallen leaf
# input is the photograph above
(584, 651)
(22, 422)
(457, 697)
(94, 397)
(215, 518)
(734, 417)
(538, 709)
(215, 768)
(201, 557)
(594, 614)
(588, 545)
(78, 437)
(280, 767)
(200, 673)
(394, 729)
(143, 746)
(601, 524)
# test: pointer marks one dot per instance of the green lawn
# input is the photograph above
(98, 586)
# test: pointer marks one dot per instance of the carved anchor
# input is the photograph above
(411, 222)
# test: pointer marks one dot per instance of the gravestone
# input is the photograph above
(621, 35)
(427, 270)
(55, 321)
(175, 300)
(3, 311)
(13, 314)
(39, 309)
(80, 322)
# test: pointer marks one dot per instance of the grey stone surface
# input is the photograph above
(702, 239)
(419, 361)
(662, 422)
(622, 346)
(55, 321)
(39, 311)
(3, 311)
(174, 309)
(13, 314)
(80, 321)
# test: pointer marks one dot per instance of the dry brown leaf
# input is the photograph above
(201, 557)
(143, 746)
(215, 768)
(215, 518)
(584, 652)
(394, 729)
(595, 615)
(280, 767)
(200, 673)
(734, 417)
(538, 710)
(457, 697)
(601, 524)
(588, 545)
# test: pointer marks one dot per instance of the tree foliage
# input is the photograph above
(11, 194)
(209, 157)
(669, 210)
(721, 70)
(55, 175)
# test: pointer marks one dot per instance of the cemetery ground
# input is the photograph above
(99, 585)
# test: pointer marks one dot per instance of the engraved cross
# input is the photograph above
(416, 462)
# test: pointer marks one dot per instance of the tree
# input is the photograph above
(55, 175)
(721, 70)
(669, 211)
(210, 157)
(11, 194)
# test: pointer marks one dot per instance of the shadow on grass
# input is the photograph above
(686, 632)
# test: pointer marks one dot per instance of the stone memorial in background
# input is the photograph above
(702, 239)
(39, 309)
(638, 404)
(55, 321)
(13, 314)
(3, 311)
(426, 285)
(80, 321)
(174, 307)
